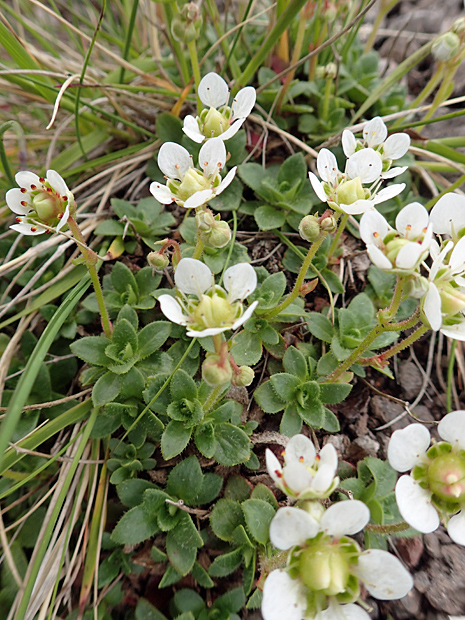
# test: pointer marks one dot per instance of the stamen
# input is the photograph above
(317, 458)
(301, 459)
(23, 190)
(42, 180)
(205, 164)
(49, 190)
(60, 215)
(177, 166)
(408, 227)
(33, 228)
(23, 203)
(19, 220)
(278, 473)
(64, 198)
(376, 235)
(33, 186)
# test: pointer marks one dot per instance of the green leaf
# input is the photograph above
(170, 577)
(252, 175)
(135, 526)
(249, 573)
(247, 348)
(205, 440)
(258, 515)
(331, 423)
(313, 413)
(237, 488)
(332, 393)
(152, 336)
(231, 602)
(230, 199)
(295, 364)
(269, 218)
(106, 389)
(123, 280)
(225, 518)
(186, 533)
(384, 475)
(131, 492)
(285, 385)
(201, 576)
(271, 291)
(291, 422)
(182, 558)
(210, 490)
(169, 128)
(146, 611)
(233, 445)
(91, 349)
(319, 326)
(293, 170)
(185, 480)
(268, 399)
(264, 493)
(183, 386)
(175, 438)
(225, 564)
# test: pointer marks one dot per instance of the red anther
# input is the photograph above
(301, 459)
(19, 220)
(317, 458)
(33, 228)
(408, 227)
(60, 215)
(219, 165)
(64, 198)
(177, 166)
(23, 190)
(42, 180)
(278, 473)
(23, 203)
(205, 164)
(376, 235)
(49, 190)
(33, 186)
(48, 232)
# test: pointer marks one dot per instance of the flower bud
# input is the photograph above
(324, 568)
(158, 260)
(459, 26)
(186, 24)
(446, 476)
(350, 191)
(216, 371)
(213, 311)
(243, 376)
(212, 231)
(48, 206)
(309, 228)
(446, 46)
(214, 123)
(452, 299)
(328, 223)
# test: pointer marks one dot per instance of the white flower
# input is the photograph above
(207, 309)
(344, 191)
(304, 475)
(218, 119)
(436, 487)
(375, 137)
(187, 186)
(39, 200)
(400, 251)
(448, 215)
(327, 566)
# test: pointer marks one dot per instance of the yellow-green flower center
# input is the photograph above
(214, 311)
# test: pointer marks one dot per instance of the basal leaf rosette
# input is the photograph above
(399, 250)
(304, 474)
(40, 203)
(375, 136)
(345, 191)
(186, 185)
(218, 119)
(325, 566)
(205, 308)
(435, 489)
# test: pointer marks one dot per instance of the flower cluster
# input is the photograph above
(435, 489)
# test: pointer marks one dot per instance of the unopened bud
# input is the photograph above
(446, 476)
(328, 223)
(186, 24)
(218, 237)
(459, 26)
(243, 376)
(324, 568)
(350, 191)
(216, 371)
(446, 46)
(309, 228)
(158, 260)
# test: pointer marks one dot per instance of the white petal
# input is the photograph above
(448, 212)
(456, 528)
(323, 478)
(373, 227)
(174, 160)
(412, 220)
(409, 256)
(300, 449)
(326, 164)
(318, 187)
(457, 257)
(396, 145)
(191, 129)
(408, 446)
(26, 179)
(297, 477)
(225, 182)
(343, 612)
(26, 229)
(213, 91)
(283, 597)
(452, 428)
(212, 157)
(358, 207)
(383, 574)
(291, 527)
(161, 193)
(388, 192)
(240, 280)
(172, 310)
(14, 198)
(245, 316)
(244, 102)
(193, 277)
(328, 457)
(199, 198)
(366, 164)
(232, 129)
(57, 183)
(378, 258)
(273, 465)
(349, 143)
(209, 331)
(346, 517)
(374, 132)
(64, 219)
(432, 307)
(415, 505)
(394, 172)
(456, 332)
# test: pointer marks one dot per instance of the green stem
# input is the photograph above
(383, 11)
(300, 279)
(338, 234)
(196, 71)
(91, 259)
(327, 96)
(450, 376)
(429, 205)
(388, 529)
(407, 342)
(212, 398)
(199, 247)
(229, 53)
(170, 9)
(130, 30)
(295, 57)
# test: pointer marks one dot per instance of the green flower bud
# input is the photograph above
(214, 311)
(446, 476)
(328, 223)
(186, 25)
(218, 237)
(446, 46)
(215, 371)
(459, 26)
(350, 191)
(215, 123)
(243, 377)
(158, 260)
(309, 228)
(324, 568)
(193, 181)
(48, 207)
(452, 300)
